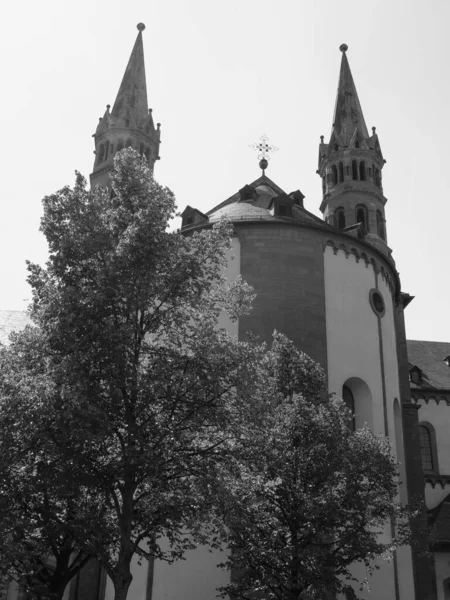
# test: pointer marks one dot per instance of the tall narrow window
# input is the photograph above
(355, 169)
(380, 226)
(101, 153)
(425, 448)
(339, 218)
(377, 177)
(341, 172)
(119, 145)
(324, 186)
(334, 174)
(362, 216)
(362, 170)
(349, 400)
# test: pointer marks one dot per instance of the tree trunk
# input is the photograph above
(121, 586)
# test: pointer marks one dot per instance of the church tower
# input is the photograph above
(130, 123)
(350, 166)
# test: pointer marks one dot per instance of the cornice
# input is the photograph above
(350, 249)
(426, 395)
(435, 479)
(348, 187)
(335, 238)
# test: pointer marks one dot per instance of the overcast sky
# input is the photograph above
(219, 74)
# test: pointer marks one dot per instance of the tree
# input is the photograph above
(307, 497)
(38, 497)
(145, 391)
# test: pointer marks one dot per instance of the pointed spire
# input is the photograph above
(131, 107)
(348, 115)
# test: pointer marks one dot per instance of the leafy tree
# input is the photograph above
(37, 495)
(144, 393)
(308, 497)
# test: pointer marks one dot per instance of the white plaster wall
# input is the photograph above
(231, 273)
(353, 350)
(442, 568)
(435, 495)
(352, 328)
(439, 416)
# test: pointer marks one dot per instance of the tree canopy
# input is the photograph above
(308, 496)
(136, 390)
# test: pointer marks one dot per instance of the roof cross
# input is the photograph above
(264, 149)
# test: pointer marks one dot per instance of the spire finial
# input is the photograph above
(374, 129)
(343, 48)
(140, 26)
(263, 148)
(321, 139)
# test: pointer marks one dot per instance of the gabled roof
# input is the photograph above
(260, 208)
(267, 190)
(12, 320)
(429, 357)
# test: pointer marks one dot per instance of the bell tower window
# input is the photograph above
(339, 218)
(380, 226)
(355, 169)
(362, 171)
(334, 174)
(362, 216)
(341, 172)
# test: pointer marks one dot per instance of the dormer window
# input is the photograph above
(415, 375)
(282, 212)
(247, 193)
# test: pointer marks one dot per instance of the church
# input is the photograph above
(332, 286)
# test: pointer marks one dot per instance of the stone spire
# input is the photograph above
(350, 166)
(348, 115)
(131, 106)
(130, 123)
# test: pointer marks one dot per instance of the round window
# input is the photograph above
(377, 302)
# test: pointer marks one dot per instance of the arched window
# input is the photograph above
(119, 145)
(339, 218)
(362, 171)
(428, 447)
(336, 147)
(141, 148)
(347, 396)
(358, 399)
(355, 169)
(425, 449)
(341, 172)
(362, 216)
(129, 143)
(380, 226)
(334, 174)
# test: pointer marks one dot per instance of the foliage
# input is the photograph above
(145, 392)
(38, 496)
(307, 496)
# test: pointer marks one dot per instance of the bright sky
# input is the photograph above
(219, 74)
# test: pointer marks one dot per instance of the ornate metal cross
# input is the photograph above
(264, 149)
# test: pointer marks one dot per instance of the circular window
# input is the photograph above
(377, 302)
